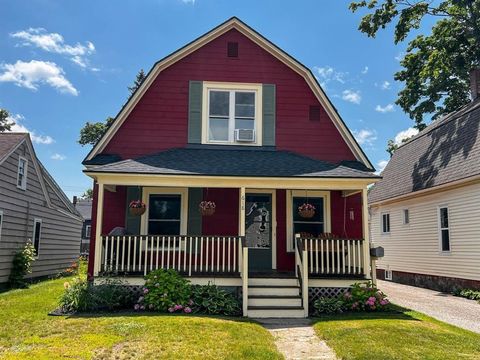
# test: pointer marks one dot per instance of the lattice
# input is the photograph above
(315, 293)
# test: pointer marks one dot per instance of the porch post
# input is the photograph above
(241, 224)
(98, 230)
(366, 237)
(241, 232)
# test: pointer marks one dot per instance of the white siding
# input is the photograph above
(415, 247)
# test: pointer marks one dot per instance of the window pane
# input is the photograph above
(444, 218)
(308, 230)
(218, 129)
(164, 207)
(219, 103)
(316, 201)
(245, 104)
(164, 227)
(244, 124)
(445, 240)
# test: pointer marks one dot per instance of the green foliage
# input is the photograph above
(21, 266)
(81, 295)
(436, 67)
(88, 194)
(138, 81)
(91, 133)
(392, 146)
(365, 297)
(326, 305)
(468, 293)
(165, 290)
(210, 299)
(5, 121)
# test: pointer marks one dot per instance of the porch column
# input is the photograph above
(241, 225)
(366, 237)
(244, 274)
(98, 230)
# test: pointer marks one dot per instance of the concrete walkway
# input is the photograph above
(296, 339)
(451, 309)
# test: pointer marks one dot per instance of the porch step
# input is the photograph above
(266, 281)
(272, 301)
(276, 312)
(280, 290)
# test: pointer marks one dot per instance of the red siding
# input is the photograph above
(159, 121)
(285, 261)
(225, 219)
(114, 205)
(342, 225)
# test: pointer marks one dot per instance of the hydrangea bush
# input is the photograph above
(365, 297)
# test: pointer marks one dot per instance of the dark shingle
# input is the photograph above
(8, 141)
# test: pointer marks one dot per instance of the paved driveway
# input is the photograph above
(451, 309)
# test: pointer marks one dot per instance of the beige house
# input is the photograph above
(426, 210)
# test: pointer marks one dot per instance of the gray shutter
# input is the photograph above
(268, 109)
(195, 112)
(132, 223)
(194, 226)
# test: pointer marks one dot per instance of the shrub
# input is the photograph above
(325, 305)
(21, 266)
(165, 290)
(365, 297)
(81, 295)
(210, 299)
(468, 293)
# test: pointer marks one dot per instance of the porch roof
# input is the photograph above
(233, 162)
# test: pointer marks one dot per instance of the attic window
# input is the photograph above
(314, 113)
(232, 49)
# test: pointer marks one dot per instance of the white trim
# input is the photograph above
(1, 224)
(389, 223)
(218, 281)
(89, 232)
(439, 224)
(388, 275)
(183, 192)
(23, 185)
(273, 193)
(233, 23)
(34, 234)
(327, 226)
(232, 87)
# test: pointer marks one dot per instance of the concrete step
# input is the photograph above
(256, 290)
(276, 312)
(272, 281)
(274, 301)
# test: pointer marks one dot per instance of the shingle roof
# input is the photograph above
(8, 141)
(233, 162)
(84, 207)
(447, 150)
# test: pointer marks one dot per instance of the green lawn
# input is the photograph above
(405, 335)
(26, 332)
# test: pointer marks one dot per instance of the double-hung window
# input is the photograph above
(444, 228)
(22, 173)
(386, 223)
(37, 234)
(232, 115)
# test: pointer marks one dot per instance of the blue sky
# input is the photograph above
(64, 63)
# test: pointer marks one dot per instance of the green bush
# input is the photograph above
(165, 290)
(365, 297)
(80, 295)
(210, 299)
(325, 305)
(468, 293)
(21, 266)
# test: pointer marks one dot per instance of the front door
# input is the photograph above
(258, 231)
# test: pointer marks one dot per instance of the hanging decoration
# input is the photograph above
(207, 208)
(137, 207)
(306, 210)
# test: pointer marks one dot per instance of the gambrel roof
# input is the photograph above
(237, 24)
(447, 151)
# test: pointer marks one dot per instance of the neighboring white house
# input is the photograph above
(426, 210)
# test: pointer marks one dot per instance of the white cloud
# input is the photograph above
(58, 156)
(365, 136)
(365, 70)
(352, 96)
(385, 109)
(385, 85)
(31, 74)
(327, 74)
(19, 127)
(54, 43)
(381, 165)
(400, 56)
(189, 2)
(405, 134)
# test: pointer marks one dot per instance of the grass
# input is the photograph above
(26, 332)
(401, 335)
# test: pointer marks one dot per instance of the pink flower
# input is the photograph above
(178, 307)
(136, 307)
(347, 295)
(187, 310)
(145, 291)
(384, 302)
(171, 309)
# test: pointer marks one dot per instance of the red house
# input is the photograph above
(233, 120)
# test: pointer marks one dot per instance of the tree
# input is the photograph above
(392, 146)
(5, 121)
(88, 194)
(436, 68)
(91, 133)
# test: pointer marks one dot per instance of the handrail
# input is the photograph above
(301, 269)
(243, 251)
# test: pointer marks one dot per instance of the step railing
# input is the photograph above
(243, 260)
(189, 255)
(301, 271)
(334, 256)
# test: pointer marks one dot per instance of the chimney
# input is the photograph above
(75, 199)
(475, 83)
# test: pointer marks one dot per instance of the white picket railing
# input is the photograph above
(334, 256)
(301, 271)
(189, 255)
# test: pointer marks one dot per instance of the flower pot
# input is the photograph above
(207, 211)
(137, 211)
(306, 213)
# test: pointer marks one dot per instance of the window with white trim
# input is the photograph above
(232, 114)
(1, 223)
(37, 234)
(444, 228)
(22, 173)
(88, 231)
(406, 216)
(386, 223)
(164, 214)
